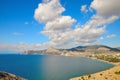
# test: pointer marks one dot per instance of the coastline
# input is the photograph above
(115, 64)
(9, 76)
(109, 74)
(94, 74)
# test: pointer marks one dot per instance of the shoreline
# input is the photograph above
(109, 74)
(115, 64)
(97, 76)
(9, 76)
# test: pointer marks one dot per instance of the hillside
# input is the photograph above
(82, 49)
(118, 48)
(94, 48)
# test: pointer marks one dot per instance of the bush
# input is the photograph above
(101, 74)
(118, 72)
(89, 76)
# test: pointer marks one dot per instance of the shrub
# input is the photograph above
(118, 72)
(89, 76)
(101, 74)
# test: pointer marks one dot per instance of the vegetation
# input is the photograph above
(101, 74)
(118, 72)
(108, 58)
(89, 76)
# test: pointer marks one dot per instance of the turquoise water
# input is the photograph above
(48, 67)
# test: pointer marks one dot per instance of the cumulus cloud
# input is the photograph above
(92, 30)
(111, 36)
(87, 34)
(97, 21)
(61, 23)
(106, 8)
(58, 27)
(84, 8)
(56, 24)
(48, 11)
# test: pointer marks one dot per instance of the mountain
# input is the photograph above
(53, 51)
(93, 48)
(82, 49)
(118, 48)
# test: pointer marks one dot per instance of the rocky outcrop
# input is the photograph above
(9, 76)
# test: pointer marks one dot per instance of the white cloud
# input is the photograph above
(48, 11)
(95, 27)
(97, 21)
(17, 34)
(58, 38)
(60, 23)
(84, 8)
(59, 31)
(87, 35)
(111, 36)
(106, 8)
(56, 25)
(92, 30)
(23, 46)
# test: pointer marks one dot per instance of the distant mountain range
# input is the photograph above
(81, 49)
(93, 48)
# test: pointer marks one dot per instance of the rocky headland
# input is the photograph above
(9, 76)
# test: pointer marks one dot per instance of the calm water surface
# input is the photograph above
(48, 67)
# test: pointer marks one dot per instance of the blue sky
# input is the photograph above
(22, 23)
(14, 15)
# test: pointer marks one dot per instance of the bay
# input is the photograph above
(49, 67)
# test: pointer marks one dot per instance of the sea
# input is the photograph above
(49, 67)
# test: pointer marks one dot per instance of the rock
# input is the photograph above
(9, 76)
